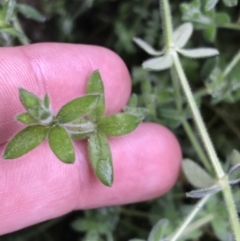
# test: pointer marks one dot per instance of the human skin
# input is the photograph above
(37, 186)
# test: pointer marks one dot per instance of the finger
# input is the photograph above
(39, 187)
(62, 71)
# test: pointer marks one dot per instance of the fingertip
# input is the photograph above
(146, 165)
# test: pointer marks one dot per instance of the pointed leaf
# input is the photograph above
(61, 144)
(230, 3)
(200, 193)
(133, 101)
(11, 31)
(25, 140)
(95, 86)
(30, 12)
(31, 102)
(235, 157)
(145, 46)
(8, 10)
(101, 157)
(46, 101)
(77, 108)
(199, 53)
(158, 230)
(234, 174)
(182, 34)
(25, 118)
(159, 63)
(119, 124)
(196, 175)
(210, 4)
(139, 112)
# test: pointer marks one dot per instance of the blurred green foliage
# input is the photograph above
(113, 24)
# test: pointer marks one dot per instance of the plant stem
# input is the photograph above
(196, 145)
(189, 219)
(222, 178)
(186, 125)
(198, 118)
(199, 223)
(209, 147)
(232, 64)
(167, 22)
(233, 26)
(232, 212)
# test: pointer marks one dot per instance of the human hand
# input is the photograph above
(37, 186)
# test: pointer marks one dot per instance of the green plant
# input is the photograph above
(9, 22)
(174, 41)
(78, 119)
(215, 88)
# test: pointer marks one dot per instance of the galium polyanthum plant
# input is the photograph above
(81, 118)
(207, 185)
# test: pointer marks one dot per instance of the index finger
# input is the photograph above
(61, 70)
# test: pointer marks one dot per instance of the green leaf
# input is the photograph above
(30, 12)
(139, 112)
(25, 140)
(158, 63)
(25, 118)
(222, 19)
(95, 86)
(196, 175)
(11, 31)
(101, 157)
(31, 102)
(210, 4)
(210, 32)
(46, 101)
(9, 11)
(119, 124)
(61, 144)
(133, 101)
(36, 107)
(200, 193)
(198, 53)
(230, 3)
(158, 230)
(182, 34)
(145, 46)
(235, 157)
(77, 108)
(234, 174)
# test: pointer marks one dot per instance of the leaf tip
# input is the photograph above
(5, 156)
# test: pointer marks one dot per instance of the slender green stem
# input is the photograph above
(187, 126)
(209, 148)
(199, 223)
(198, 118)
(166, 18)
(232, 64)
(233, 216)
(189, 219)
(222, 178)
(233, 26)
(196, 145)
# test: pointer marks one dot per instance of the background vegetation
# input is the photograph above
(113, 24)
